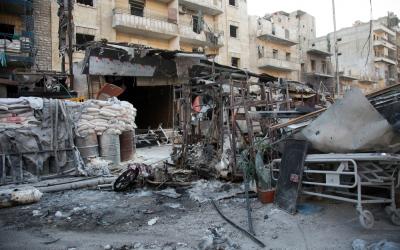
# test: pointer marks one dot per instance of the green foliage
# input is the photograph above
(246, 163)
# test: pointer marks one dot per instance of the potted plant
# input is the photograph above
(256, 170)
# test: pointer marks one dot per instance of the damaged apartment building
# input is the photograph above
(281, 44)
(367, 53)
(25, 48)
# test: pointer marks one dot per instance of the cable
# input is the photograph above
(369, 36)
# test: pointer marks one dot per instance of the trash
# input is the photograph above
(19, 196)
(203, 190)
(107, 247)
(217, 238)
(248, 234)
(169, 192)
(136, 173)
(308, 208)
(58, 214)
(359, 244)
(152, 221)
(173, 205)
(97, 167)
(36, 213)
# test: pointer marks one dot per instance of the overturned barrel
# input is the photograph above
(127, 145)
(88, 146)
(110, 148)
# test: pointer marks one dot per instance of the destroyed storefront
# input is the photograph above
(234, 135)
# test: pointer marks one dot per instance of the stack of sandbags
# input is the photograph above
(19, 112)
(112, 116)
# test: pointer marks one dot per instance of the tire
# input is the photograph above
(395, 217)
(366, 219)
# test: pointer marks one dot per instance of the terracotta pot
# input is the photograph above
(266, 196)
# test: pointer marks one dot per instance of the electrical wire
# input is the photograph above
(369, 36)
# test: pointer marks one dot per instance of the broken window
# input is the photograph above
(6, 28)
(313, 65)
(196, 24)
(82, 40)
(260, 51)
(235, 62)
(85, 2)
(233, 30)
(137, 7)
(232, 2)
(287, 56)
(275, 53)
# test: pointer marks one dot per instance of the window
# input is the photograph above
(196, 24)
(137, 7)
(275, 53)
(323, 66)
(287, 56)
(235, 62)
(7, 29)
(82, 40)
(287, 34)
(232, 2)
(233, 30)
(260, 51)
(273, 29)
(313, 65)
(85, 2)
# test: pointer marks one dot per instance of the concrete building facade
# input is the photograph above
(367, 54)
(216, 27)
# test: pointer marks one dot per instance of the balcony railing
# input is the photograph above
(17, 48)
(278, 62)
(151, 14)
(385, 58)
(207, 37)
(211, 7)
(151, 23)
(380, 41)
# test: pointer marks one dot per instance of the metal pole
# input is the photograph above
(69, 31)
(336, 50)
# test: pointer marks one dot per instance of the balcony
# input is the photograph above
(318, 52)
(319, 74)
(382, 28)
(17, 48)
(381, 42)
(276, 35)
(212, 39)
(209, 7)
(385, 59)
(276, 63)
(151, 24)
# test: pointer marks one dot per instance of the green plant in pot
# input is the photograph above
(255, 170)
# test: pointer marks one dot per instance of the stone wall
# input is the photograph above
(42, 34)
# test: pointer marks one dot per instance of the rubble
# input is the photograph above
(19, 196)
